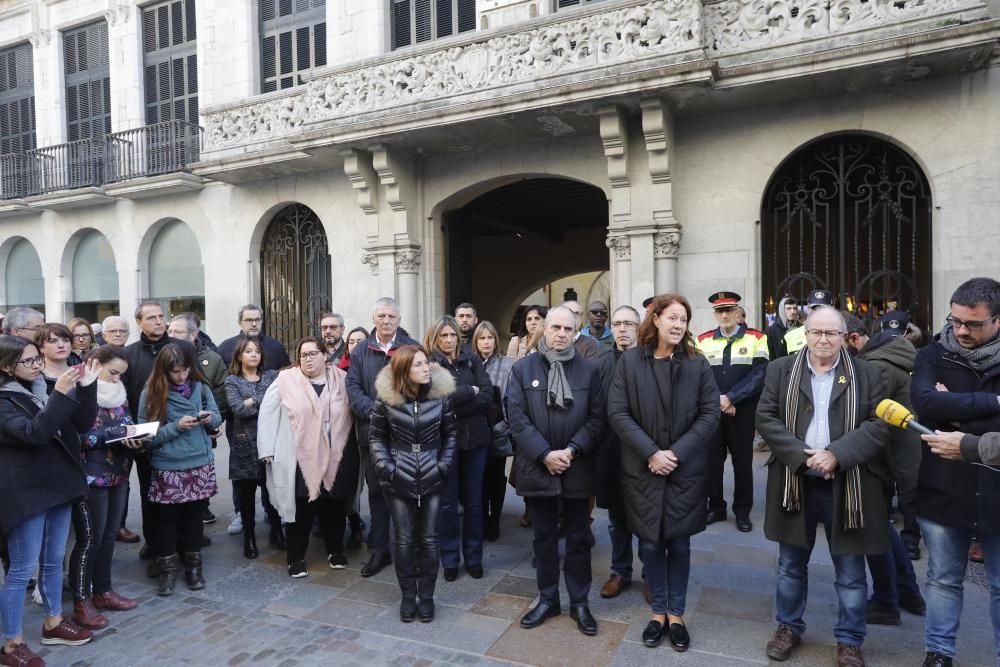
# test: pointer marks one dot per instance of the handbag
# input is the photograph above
(500, 442)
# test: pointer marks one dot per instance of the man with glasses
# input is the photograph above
(597, 320)
(115, 330)
(738, 356)
(955, 387)
(23, 322)
(331, 329)
(795, 339)
(251, 321)
(817, 412)
(585, 346)
(625, 329)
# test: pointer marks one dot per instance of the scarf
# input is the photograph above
(320, 425)
(559, 393)
(37, 393)
(982, 358)
(854, 518)
(182, 389)
(110, 395)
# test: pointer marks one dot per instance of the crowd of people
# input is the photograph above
(622, 409)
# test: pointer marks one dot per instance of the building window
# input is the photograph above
(176, 274)
(292, 41)
(88, 82)
(573, 3)
(23, 278)
(415, 21)
(170, 61)
(17, 100)
(95, 278)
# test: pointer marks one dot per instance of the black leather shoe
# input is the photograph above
(537, 616)
(679, 637)
(450, 573)
(653, 634)
(913, 603)
(715, 516)
(585, 621)
(407, 610)
(913, 550)
(937, 660)
(475, 571)
(744, 524)
(375, 564)
(425, 610)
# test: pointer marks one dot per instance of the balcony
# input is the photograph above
(142, 162)
(619, 50)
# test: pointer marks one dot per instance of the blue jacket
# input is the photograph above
(174, 449)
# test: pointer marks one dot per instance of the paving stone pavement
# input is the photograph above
(253, 613)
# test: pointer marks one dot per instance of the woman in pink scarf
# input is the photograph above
(302, 431)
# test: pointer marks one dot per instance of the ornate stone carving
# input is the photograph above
(621, 245)
(358, 168)
(667, 244)
(741, 25)
(407, 261)
(372, 261)
(658, 130)
(614, 136)
(595, 40)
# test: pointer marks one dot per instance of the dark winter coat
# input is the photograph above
(367, 361)
(861, 447)
(413, 443)
(241, 429)
(141, 356)
(538, 429)
(275, 355)
(660, 508)
(956, 493)
(40, 449)
(471, 407)
(609, 458)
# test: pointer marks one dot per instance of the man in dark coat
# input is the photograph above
(955, 387)
(817, 413)
(624, 327)
(366, 362)
(251, 321)
(555, 407)
(331, 329)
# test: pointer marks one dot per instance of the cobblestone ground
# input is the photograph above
(253, 613)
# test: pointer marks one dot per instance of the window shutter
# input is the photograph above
(466, 15)
(400, 23)
(292, 41)
(319, 44)
(422, 20)
(443, 18)
(88, 83)
(171, 67)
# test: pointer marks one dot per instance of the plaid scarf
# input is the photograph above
(854, 517)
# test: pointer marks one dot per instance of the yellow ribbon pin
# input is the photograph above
(841, 380)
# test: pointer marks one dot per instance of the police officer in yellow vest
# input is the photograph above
(738, 356)
(795, 339)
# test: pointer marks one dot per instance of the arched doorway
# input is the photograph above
(176, 272)
(295, 274)
(23, 282)
(507, 242)
(850, 214)
(95, 278)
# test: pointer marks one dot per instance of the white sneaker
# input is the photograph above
(236, 526)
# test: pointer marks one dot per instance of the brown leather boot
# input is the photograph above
(111, 601)
(615, 584)
(849, 656)
(86, 616)
(782, 642)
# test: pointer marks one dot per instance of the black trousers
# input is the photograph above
(494, 490)
(576, 564)
(178, 526)
(417, 550)
(332, 519)
(144, 471)
(378, 533)
(734, 435)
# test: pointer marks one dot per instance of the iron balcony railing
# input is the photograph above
(146, 151)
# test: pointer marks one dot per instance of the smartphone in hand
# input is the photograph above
(204, 416)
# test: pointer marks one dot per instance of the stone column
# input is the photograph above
(620, 247)
(50, 92)
(666, 248)
(125, 55)
(407, 270)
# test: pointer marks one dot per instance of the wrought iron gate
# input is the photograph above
(850, 214)
(295, 274)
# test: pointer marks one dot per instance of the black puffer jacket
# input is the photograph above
(471, 407)
(538, 429)
(397, 425)
(662, 508)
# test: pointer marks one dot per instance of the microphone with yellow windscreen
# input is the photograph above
(896, 415)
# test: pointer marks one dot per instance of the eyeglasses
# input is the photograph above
(628, 324)
(598, 311)
(253, 320)
(309, 356)
(82, 336)
(33, 361)
(971, 325)
(332, 327)
(820, 334)
(115, 332)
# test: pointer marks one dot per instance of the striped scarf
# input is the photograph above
(854, 518)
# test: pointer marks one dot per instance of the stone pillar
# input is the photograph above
(50, 92)
(621, 269)
(666, 247)
(407, 266)
(228, 55)
(125, 55)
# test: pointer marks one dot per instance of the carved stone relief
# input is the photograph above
(621, 245)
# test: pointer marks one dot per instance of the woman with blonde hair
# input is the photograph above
(83, 339)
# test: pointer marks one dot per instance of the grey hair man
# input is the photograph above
(23, 322)
(115, 330)
(331, 329)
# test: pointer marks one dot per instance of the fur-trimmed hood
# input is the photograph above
(442, 385)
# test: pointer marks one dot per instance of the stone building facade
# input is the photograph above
(684, 145)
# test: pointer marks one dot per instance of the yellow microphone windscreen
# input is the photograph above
(893, 413)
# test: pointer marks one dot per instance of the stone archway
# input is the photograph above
(509, 240)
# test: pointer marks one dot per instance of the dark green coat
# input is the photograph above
(861, 447)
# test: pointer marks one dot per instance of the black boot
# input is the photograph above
(192, 571)
(168, 566)
(425, 588)
(277, 535)
(249, 543)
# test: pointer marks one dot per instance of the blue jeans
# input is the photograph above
(793, 571)
(42, 536)
(465, 485)
(947, 559)
(892, 572)
(667, 568)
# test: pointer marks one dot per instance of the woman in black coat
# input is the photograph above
(41, 476)
(412, 441)
(473, 400)
(664, 406)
